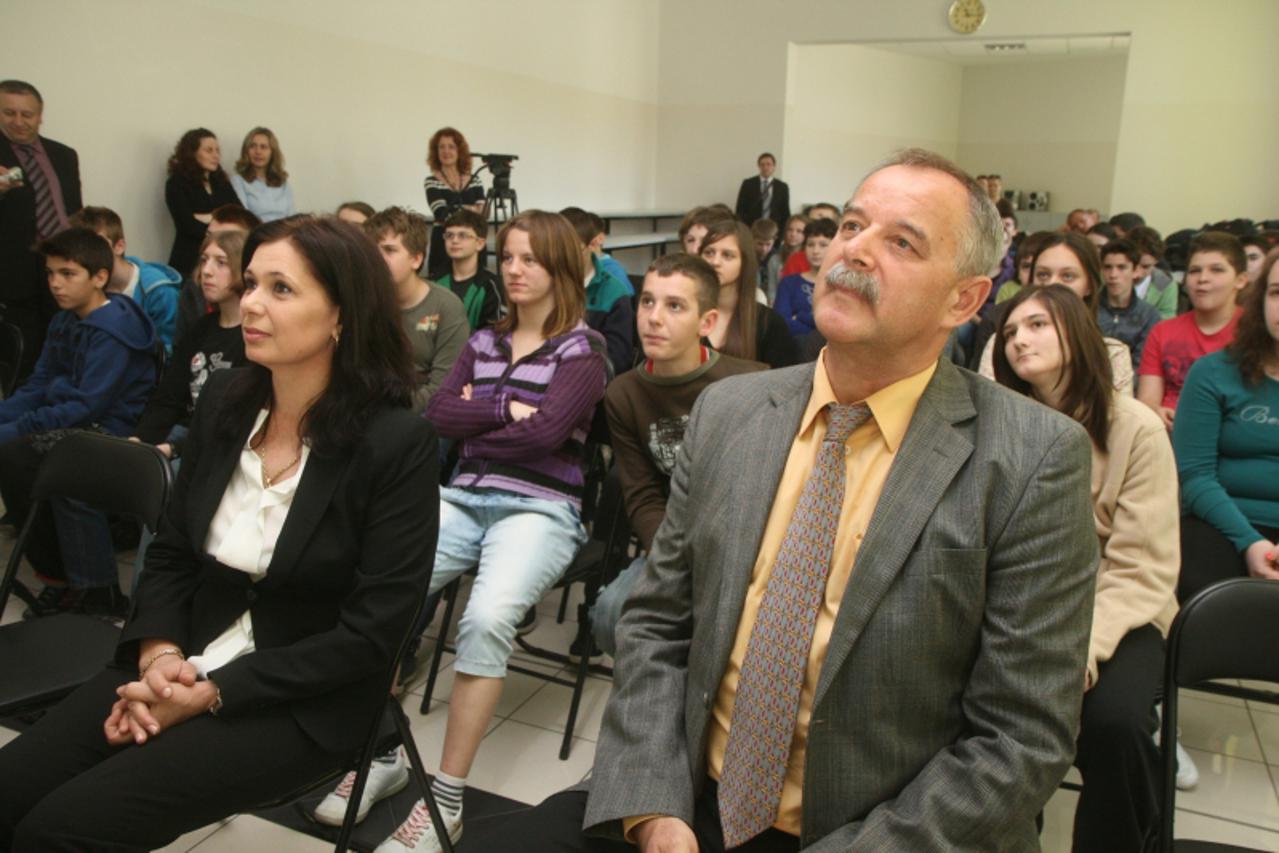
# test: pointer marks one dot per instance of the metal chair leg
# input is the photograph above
(437, 656)
(419, 775)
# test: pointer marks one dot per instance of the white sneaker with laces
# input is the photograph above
(417, 834)
(1187, 772)
(385, 778)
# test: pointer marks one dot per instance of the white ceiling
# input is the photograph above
(975, 50)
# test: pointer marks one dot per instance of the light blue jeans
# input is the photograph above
(522, 546)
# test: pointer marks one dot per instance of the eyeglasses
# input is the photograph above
(460, 235)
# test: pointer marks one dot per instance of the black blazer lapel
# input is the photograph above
(310, 500)
(930, 456)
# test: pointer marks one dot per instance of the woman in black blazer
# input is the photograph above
(291, 560)
(197, 185)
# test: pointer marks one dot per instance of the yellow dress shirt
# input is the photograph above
(870, 451)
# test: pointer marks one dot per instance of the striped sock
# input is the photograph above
(447, 791)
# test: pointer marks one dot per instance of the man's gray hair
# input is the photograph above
(981, 241)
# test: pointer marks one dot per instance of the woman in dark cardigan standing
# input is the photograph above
(196, 186)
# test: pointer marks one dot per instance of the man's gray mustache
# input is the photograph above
(845, 278)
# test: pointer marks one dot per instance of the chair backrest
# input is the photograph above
(108, 473)
(11, 348)
(1229, 630)
(612, 526)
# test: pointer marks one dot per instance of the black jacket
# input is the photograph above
(350, 568)
(749, 201)
(22, 280)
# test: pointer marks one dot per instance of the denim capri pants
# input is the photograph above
(521, 545)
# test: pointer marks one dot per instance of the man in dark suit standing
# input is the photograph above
(864, 621)
(764, 196)
(39, 190)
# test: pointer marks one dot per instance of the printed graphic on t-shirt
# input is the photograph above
(429, 324)
(665, 435)
(201, 367)
(1176, 360)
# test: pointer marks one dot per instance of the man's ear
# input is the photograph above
(416, 261)
(100, 279)
(970, 295)
(706, 324)
(120, 249)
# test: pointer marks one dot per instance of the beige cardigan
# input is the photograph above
(1135, 506)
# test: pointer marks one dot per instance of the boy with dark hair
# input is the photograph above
(795, 292)
(1154, 285)
(798, 262)
(434, 319)
(764, 232)
(96, 370)
(156, 287)
(648, 407)
(608, 300)
(1120, 314)
(480, 291)
(606, 260)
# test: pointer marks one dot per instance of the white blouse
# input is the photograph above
(242, 536)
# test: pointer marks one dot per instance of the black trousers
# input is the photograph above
(1119, 807)
(555, 826)
(62, 788)
(1208, 557)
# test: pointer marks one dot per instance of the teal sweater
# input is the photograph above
(1226, 437)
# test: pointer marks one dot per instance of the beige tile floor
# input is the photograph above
(1235, 744)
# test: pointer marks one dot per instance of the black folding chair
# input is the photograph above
(1229, 630)
(376, 743)
(11, 348)
(44, 659)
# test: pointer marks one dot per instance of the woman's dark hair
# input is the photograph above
(1089, 391)
(740, 340)
(1254, 346)
(1085, 251)
(183, 164)
(463, 151)
(372, 362)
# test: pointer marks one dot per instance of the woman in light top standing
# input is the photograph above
(260, 180)
(1050, 349)
(449, 188)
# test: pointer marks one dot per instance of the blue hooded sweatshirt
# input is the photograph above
(159, 288)
(99, 370)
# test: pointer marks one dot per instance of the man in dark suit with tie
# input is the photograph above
(35, 204)
(863, 622)
(764, 196)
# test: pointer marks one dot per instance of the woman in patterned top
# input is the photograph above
(449, 188)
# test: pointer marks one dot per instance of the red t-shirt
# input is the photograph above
(1174, 345)
(796, 264)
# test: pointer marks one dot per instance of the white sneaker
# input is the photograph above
(385, 778)
(417, 835)
(1187, 772)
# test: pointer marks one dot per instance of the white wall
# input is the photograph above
(1200, 106)
(834, 135)
(353, 91)
(1046, 126)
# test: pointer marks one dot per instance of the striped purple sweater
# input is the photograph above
(542, 455)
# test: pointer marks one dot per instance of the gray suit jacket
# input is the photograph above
(948, 703)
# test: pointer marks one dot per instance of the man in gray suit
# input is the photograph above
(943, 672)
